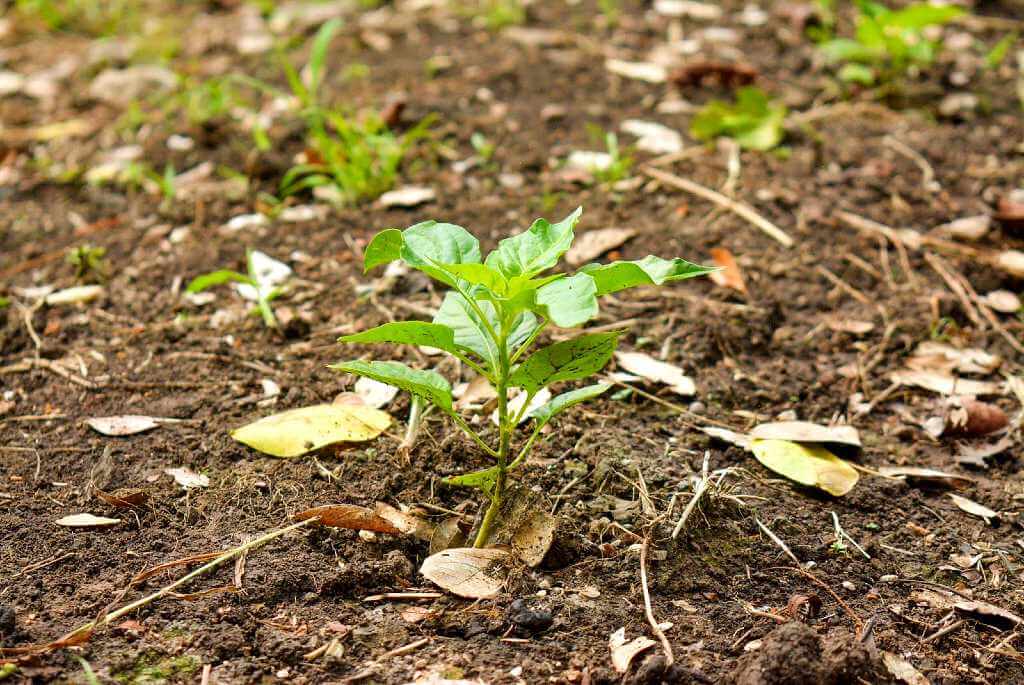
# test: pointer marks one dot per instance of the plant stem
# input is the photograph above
(505, 427)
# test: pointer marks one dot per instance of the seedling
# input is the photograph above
(264, 276)
(360, 156)
(618, 164)
(888, 43)
(89, 263)
(494, 14)
(754, 121)
(484, 148)
(490, 319)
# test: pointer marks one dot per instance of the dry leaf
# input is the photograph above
(474, 394)
(374, 393)
(533, 537)
(641, 71)
(966, 416)
(913, 473)
(516, 404)
(80, 293)
(653, 137)
(447, 534)
(467, 571)
(945, 384)
(406, 523)
(123, 498)
(624, 652)
(975, 455)
(804, 431)
(841, 324)
(593, 244)
(650, 368)
(408, 196)
(989, 613)
(936, 356)
(87, 521)
(726, 435)
(967, 228)
(348, 516)
(973, 508)
(903, 670)
(1003, 301)
(730, 275)
(295, 432)
(1012, 262)
(128, 424)
(806, 464)
(187, 478)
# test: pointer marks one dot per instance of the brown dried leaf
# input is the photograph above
(124, 498)
(707, 72)
(624, 652)
(973, 508)
(929, 476)
(593, 244)
(970, 417)
(730, 276)
(447, 534)
(936, 356)
(406, 523)
(348, 516)
(989, 613)
(975, 455)
(467, 571)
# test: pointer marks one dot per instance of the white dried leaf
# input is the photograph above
(374, 393)
(1003, 301)
(652, 369)
(945, 384)
(467, 571)
(973, 508)
(127, 424)
(408, 196)
(641, 71)
(704, 11)
(624, 652)
(588, 160)
(74, 295)
(903, 670)
(966, 228)
(516, 404)
(804, 431)
(87, 521)
(653, 137)
(593, 244)
(935, 356)
(1012, 262)
(245, 221)
(188, 478)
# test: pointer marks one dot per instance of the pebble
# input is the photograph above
(528, 620)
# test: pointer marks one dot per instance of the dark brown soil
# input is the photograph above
(142, 349)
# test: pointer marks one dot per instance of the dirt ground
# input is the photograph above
(824, 325)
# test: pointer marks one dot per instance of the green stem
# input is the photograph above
(529, 341)
(505, 428)
(461, 423)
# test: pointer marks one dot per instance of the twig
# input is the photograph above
(940, 267)
(405, 649)
(858, 624)
(778, 541)
(703, 483)
(942, 631)
(844, 286)
(927, 172)
(655, 628)
(52, 367)
(734, 206)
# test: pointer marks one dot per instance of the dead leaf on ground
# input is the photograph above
(936, 356)
(624, 652)
(187, 478)
(405, 522)
(374, 393)
(448, 533)
(124, 498)
(653, 137)
(476, 393)
(730, 275)
(969, 228)
(707, 72)
(654, 370)
(841, 324)
(928, 476)
(805, 431)
(726, 435)
(945, 384)
(467, 571)
(525, 525)
(406, 197)
(298, 431)
(975, 455)
(348, 516)
(640, 71)
(593, 244)
(1011, 261)
(989, 613)
(903, 670)
(127, 424)
(79, 293)
(973, 508)
(966, 416)
(87, 521)
(807, 464)
(1003, 301)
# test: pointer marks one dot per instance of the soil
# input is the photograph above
(740, 610)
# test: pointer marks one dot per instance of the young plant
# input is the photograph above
(358, 156)
(888, 43)
(90, 263)
(754, 121)
(490, 319)
(264, 277)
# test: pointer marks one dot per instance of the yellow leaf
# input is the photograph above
(806, 464)
(295, 432)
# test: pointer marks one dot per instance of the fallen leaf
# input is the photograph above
(914, 473)
(187, 478)
(1012, 262)
(374, 393)
(268, 273)
(706, 72)
(652, 369)
(533, 537)
(593, 244)
(973, 508)
(121, 87)
(966, 416)
(989, 613)
(969, 228)
(841, 324)
(87, 521)
(588, 160)
(805, 431)
(79, 293)
(407, 196)
(703, 11)
(975, 455)
(537, 37)
(624, 652)
(730, 275)
(903, 670)
(936, 356)
(806, 464)
(405, 522)
(1003, 301)
(128, 424)
(123, 498)
(516, 404)
(298, 431)
(641, 71)
(945, 384)
(474, 394)
(726, 435)
(415, 614)
(653, 137)
(467, 571)
(348, 516)
(447, 534)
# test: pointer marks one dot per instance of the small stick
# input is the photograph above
(927, 172)
(778, 541)
(706, 193)
(402, 595)
(655, 628)
(937, 264)
(943, 631)
(698, 492)
(844, 286)
(405, 649)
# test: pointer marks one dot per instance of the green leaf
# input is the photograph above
(385, 248)
(997, 54)
(480, 274)
(535, 250)
(754, 121)
(650, 270)
(560, 403)
(807, 464)
(571, 301)
(318, 53)
(428, 246)
(846, 50)
(565, 361)
(295, 432)
(201, 283)
(470, 333)
(484, 479)
(429, 385)
(857, 73)
(920, 16)
(417, 333)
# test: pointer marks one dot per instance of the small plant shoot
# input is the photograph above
(263, 277)
(491, 318)
(755, 122)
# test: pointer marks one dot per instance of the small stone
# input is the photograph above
(529, 621)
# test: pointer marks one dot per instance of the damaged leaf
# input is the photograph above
(624, 652)
(87, 521)
(128, 424)
(476, 573)
(973, 508)
(348, 516)
(298, 431)
(658, 371)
